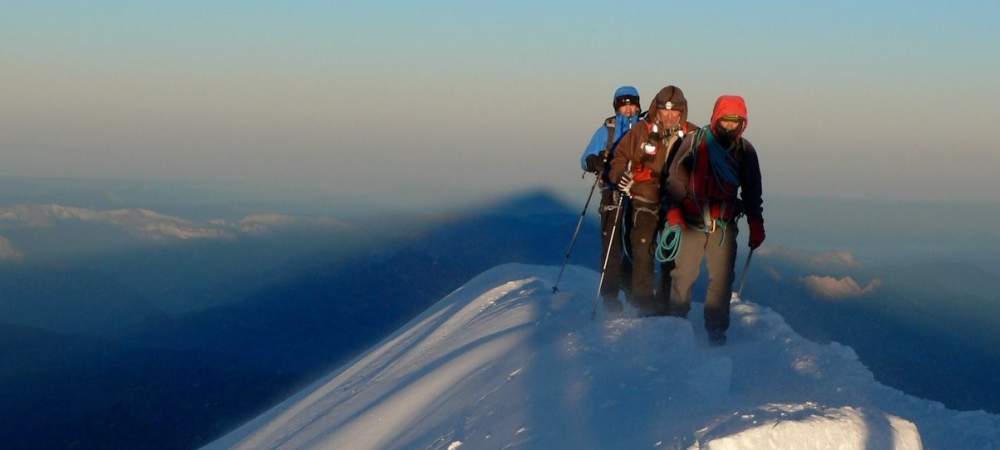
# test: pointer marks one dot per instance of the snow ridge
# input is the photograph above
(503, 363)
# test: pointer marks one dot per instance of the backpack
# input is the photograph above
(609, 124)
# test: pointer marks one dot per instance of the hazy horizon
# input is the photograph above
(889, 101)
(877, 230)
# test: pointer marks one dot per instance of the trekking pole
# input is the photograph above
(611, 242)
(743, 277)
(576, 233)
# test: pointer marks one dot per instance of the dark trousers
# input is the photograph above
(616, 275)
(645, 219)
(719, 251)
(662, 295)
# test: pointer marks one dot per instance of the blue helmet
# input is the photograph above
(625, 95)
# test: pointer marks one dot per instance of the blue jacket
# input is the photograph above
(621, 124)
(600, 139)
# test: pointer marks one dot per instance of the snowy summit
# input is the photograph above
(502, 363)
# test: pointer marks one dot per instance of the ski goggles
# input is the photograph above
(626, 100)
(672, 106)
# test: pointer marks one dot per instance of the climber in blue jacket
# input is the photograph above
(596, 158)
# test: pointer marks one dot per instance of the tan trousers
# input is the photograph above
(718, 249)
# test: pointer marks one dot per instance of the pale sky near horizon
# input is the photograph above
(449, 100)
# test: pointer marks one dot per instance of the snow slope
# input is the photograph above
(501, 363)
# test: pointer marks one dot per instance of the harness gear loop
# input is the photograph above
(635, 215)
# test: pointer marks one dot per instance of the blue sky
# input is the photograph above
(451, 100)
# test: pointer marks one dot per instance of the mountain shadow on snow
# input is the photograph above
(503, 363)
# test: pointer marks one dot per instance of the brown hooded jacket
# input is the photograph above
(632, 147)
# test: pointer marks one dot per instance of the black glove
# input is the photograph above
(595, 163)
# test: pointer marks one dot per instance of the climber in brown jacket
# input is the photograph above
(639, 170)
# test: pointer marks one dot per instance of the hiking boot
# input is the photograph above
(653, 310)
(645, 312)
(716, 337)
(613, 307)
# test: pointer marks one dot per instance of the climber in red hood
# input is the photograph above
(714, 178)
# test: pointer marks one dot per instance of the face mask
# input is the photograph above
(727, 136)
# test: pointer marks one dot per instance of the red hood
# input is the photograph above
(730, 105)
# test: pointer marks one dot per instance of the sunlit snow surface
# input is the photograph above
(502, 363)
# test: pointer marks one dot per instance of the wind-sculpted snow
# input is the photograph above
(501, 363)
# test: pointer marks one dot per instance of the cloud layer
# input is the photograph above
(834, 259)
(838, 288)
(8, 252)
(151, 225)
(142, 223)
